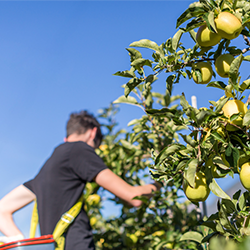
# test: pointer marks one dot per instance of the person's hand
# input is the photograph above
(158, 185)
(6, 239)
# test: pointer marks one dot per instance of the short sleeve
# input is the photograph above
(29, 185)
(85, 162)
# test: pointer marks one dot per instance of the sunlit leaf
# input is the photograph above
(217, 84)
(195, 236)
(217, 190)
(145, 43)
(189, 174)
(218, 161)
(166, 152)
(234, 67)
(129, 100)
(209, 18)
(140, 62)
(134, 54)
(246, 58)
(192, 11)
(246, 118)
(125, 73)
(245, 85)
(131, 85)
(176, 38)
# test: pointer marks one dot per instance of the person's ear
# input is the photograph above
(93, 133)
(91, 136)
(65, 139)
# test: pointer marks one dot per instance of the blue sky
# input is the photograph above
(57, 57)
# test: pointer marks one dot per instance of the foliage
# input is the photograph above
(162, 219)
(175, 140)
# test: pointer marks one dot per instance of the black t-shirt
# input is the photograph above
(58, 186)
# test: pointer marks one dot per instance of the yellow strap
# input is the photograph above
(61, 226)
(34, 221)
(60, 243)
(67, 219)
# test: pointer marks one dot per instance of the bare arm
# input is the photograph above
(114, 184)
(10, 203)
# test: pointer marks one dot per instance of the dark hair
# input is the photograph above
(82, 121)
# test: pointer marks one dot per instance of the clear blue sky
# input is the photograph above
(59, 56)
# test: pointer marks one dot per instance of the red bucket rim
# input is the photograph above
(26, 242)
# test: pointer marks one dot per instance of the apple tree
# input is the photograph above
(162, 219)
(215, 142)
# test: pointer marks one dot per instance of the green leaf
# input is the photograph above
(195, 236)
(129, 100)
(134, 54)
(188, 139)
(242, 200)
(193, 35)
(232, 155)
(145, 43)
(184, 103)
(245, 85)
(246, 119)
(224, 219)
(228, 205)
(140, 62)
(169, 150)
(217, 84)
(221, 103)
(218, 137)
(176, 38)
(160, 112)
(234, 67)
(195, 23)
(246, 58)
(217, 190)
(218, 161)
(189, 174)
(192, 11)
(125, 73)
(131, 85)
(170, 81)
(150, 79)
(236, 197)
(201, 116)
(209, 18)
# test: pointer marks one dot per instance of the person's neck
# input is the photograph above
(76, 137)
(86, 137)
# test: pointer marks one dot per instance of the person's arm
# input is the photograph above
(114, 184)
(10, 203)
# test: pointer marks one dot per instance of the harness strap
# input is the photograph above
(61, 226)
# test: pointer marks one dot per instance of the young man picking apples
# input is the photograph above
(61, 181)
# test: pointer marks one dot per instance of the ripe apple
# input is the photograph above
(129, 239)
(200, 191)
(234, 107)
(206, 72)
(93, 199)
(228, 26)
(159, 233)
(93, 221)
(222, 64)
(206, 38)
(245, 175)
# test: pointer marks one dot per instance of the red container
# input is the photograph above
(45, 242)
